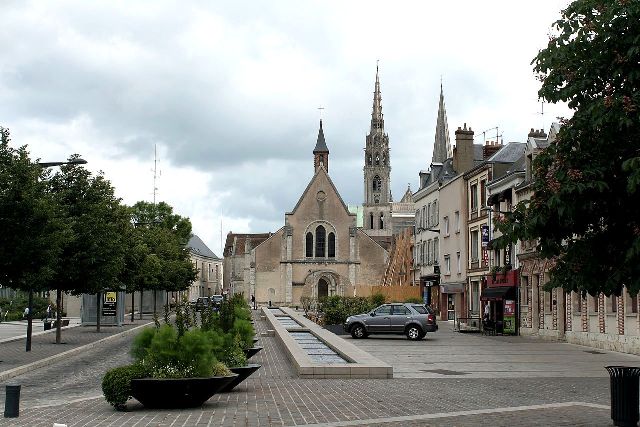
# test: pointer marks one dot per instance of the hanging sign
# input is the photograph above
(484, 232)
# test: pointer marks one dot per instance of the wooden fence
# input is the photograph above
(391, 293)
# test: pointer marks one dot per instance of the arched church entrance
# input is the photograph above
(323, 288)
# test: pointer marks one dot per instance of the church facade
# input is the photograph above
(319, 251)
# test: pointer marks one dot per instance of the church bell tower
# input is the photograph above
(377, 172)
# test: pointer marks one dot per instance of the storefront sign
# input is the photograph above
(109, 303)
(509, 317)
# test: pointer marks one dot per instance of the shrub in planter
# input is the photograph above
(116, 383)
(244, 329)
(232, 354)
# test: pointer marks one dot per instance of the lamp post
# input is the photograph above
(77, 161)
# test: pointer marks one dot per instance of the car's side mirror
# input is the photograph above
(372, 314)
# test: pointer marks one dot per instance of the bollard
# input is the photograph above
(269, 303)
(12, 401)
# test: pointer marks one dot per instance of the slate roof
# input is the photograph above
(509, 153)
(321, 145)
(197, 247)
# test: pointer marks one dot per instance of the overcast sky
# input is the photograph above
(229, 92)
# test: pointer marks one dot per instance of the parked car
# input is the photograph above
(201, 303)
(217, 300)
(410, 319)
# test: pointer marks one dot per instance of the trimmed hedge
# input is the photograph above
(116, 384)
(337, 308)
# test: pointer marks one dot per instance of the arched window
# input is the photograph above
(369, 160)
(377, 184)
(371, 220)
(381, 221)
(321, 235)
(377, 159)
(332, 246)
(309, 245)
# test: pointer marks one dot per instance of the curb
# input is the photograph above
(51, 359)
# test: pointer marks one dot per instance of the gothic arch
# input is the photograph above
(310, 238)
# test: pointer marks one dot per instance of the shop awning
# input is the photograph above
(497, 294)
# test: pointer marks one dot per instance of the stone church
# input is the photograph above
(319, 251)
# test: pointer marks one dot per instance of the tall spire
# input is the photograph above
(321, 152)
(442, 145)
(377, 119)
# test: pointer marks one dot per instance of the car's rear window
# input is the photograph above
(423, 309)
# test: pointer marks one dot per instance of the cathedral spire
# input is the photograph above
(321, 152)
(377, 119)
(442, 145)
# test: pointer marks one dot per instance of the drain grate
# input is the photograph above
(594, 352)
(444, 372)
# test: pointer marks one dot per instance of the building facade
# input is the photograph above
(210, 270)
(319, 251)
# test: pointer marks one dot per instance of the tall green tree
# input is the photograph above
(166, 265)
(33, 230)
(94, 258)
(584, 211)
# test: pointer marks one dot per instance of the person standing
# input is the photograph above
(48, 312)
(253, 301)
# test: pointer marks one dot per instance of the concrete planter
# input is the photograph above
(243, 373)
(176, 393)
(249, 352)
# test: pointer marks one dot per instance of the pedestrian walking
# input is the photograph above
(26, 312)
(48, 312)
(253, 301)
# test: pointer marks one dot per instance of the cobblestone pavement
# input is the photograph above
(13, 354)
(273, 396)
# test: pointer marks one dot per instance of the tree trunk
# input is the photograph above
(98, 304)
(30, 320)
(141, 298)
(58, 315)
(133, 304)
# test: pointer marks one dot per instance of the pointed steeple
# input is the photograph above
(377, 119)
(442, 145)
(321, 152)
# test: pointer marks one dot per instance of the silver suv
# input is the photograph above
(412, 320)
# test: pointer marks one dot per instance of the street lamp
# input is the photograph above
(76, 161)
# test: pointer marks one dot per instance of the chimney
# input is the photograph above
(537, 133)
(489, 149)
(463, 152)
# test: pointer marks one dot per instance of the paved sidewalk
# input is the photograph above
(274, 396)
(43, 347)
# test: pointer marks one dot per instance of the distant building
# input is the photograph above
(209, 266)
(237, 261)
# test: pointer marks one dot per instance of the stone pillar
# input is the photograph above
(554, 308)
(601, 317)
(535, 305)
(620, 312)
(288, 288)
(568, 309)
(540, 301)
(529, 297)
(584, 314)
(353, 256)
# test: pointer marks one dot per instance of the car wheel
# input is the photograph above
(357, 331)
(414, 333)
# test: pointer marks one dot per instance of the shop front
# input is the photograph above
(451, 300)
(499, 302)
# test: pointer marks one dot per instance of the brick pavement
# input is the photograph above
(275, 397)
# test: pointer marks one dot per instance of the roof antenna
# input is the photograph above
(320, 109)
